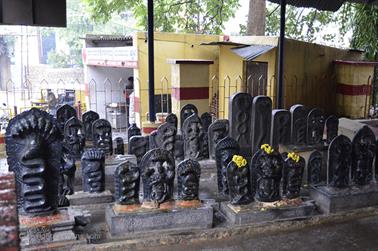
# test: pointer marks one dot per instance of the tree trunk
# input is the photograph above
(256, 18)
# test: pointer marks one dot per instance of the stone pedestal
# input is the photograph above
(52, 228)
(134, 219)
(208, 164)
(258, 212)
(331, 200)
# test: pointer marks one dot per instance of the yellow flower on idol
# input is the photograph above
(239, 161)
(267, 148)
(293, 156)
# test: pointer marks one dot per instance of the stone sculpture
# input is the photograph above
(206, 120)
(224, 151)
(238, 180)
(63, 114)
(187, 111)
(88, 118)
(240, 117)
(280, 131)
(138, 145)
(93, 171)
(315, 127)
(102, 136)
(314, 168)
(158, 172)
(166, 136)
(33, 146)
(188, 178)
(292, 175)
(339, 162)
(332, 128)
(179, 147)
(172, 119)
(266, 174)
(74, 139)
(363, 153)
(133, 130)
(126, 183)
(217, 131)
(120, 146)
(192, 132)
(153, 140)
(261, 122)
(298, 124)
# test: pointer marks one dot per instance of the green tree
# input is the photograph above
(194, 16)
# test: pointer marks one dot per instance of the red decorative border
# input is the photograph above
(188, 93)
(148, 130)
(2, 139)
(353, 90)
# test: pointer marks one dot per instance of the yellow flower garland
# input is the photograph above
(293, 156)
(239, 161)
(267, 148)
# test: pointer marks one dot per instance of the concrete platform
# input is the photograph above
(83, 198)
(331, 200)
(258, 212)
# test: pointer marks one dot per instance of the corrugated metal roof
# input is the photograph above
(331, 5)
(252, 51)
(223, 43)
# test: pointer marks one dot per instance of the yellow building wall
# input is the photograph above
(168, 46)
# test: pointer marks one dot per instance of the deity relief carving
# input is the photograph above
(339, 162)
(102, 136)
(126, 184)
(217, 130)
(187, 111)
(192, 132)
(315, 127)
(188, 178)
(314, 168)
(63, 114)
(88, 118)
(292, 175)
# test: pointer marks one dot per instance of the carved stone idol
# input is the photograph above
(314, 168)
(93, 170)
(120, 146)
(315, 127)
(153, 140)
(172, 119)
(217, 130)
(292, 175)
(298, 124)
(158, 172)
(33, 146)
(133, 130)
(63, 114)
(88, 118)
(332, 128)
(138, 145)
(179, 147)
(363, 153)
(266, 175)
(188, 178)
(238, 180)
(206, 120)
(192, 132)
(74, 139)
(240, 118)
(280, 131)
(261, 121)
(187, 111)
(224, 151)
(167, 137)
(126, 183)
(102, 136)
(339, 162)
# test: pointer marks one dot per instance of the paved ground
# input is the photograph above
(359, 234)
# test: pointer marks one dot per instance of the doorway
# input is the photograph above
(257, 75)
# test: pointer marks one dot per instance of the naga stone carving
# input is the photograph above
(153, 140)
(217, 130)
(314, 168)
(167, 137)
(179, 147)
(292, 175)
(188, 178)
(332, 128)
(261, 121)
(33, 146)
(363, 153)
(315, 127)
(224, 151)
(339, 162)
(74, 139)
(63, 114)
(126, 183)
(280, 131)
(93, 170)
(138, 145)
(206, 120)
(266, 174)
(187, 111)
(240, 117)
(102, 136)
(192, 132)
(88, 118)
(172, 119)
(298, 124)
(238, 180)
(133, 130)
(120, 146)
(158, 172)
